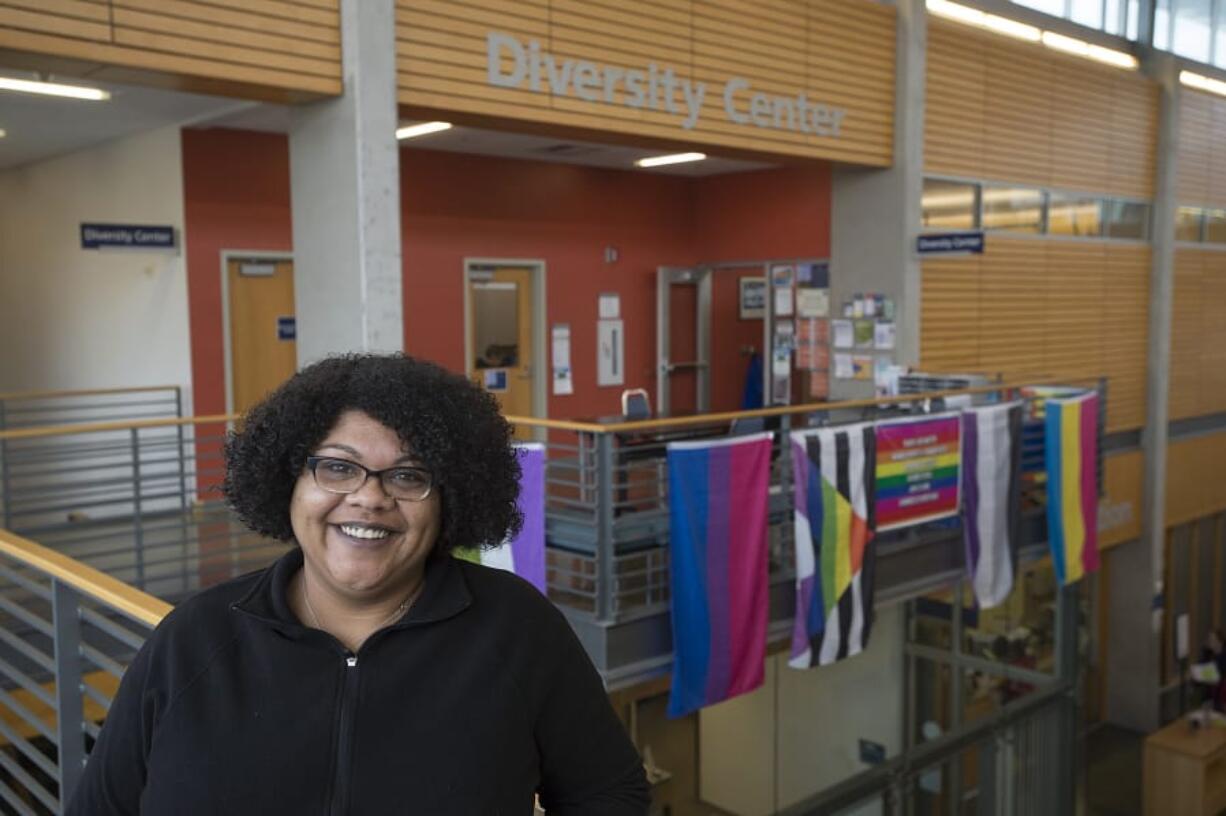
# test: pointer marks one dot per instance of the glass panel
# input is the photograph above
(1126, 219)
(1187, 223)
(1219, 37)
(948, 205)
(1052, 7)
(1074, 215)
(1088, 13)
(1134, 19)
(1215, 227)
(496, 324)
(1162, 25)
(1192, 29)
(1114, 24)
(1019, 209)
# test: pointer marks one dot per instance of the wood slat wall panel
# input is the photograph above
(282, 49)
(1122, 473)
(1187, 324)
(1038, 307)
(1194, 478)
(1002, 109)
(1213, 332)
(838, 52)
(1202, 148)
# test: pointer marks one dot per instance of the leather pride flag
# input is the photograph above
(717, 512)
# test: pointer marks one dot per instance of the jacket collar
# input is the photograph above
(445, 595)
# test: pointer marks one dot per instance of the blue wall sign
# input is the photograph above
(126, 236)
(949, 242)
(872, 753)
(287, 328)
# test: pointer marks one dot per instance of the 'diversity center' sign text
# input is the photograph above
(512, 64)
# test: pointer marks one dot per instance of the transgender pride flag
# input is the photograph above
(717, 511)
(1072, 485)
(524, 555)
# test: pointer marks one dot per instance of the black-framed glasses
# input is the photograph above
(342, 476)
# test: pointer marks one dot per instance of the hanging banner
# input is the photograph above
(918, 463)
(524, 554)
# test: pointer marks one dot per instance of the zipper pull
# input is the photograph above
(351, 661)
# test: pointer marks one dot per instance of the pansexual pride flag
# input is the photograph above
(835, 556)
(717, 512)
(1072, 485)
(524, 555)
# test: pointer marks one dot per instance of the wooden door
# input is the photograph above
(500, 336)
(263, 349)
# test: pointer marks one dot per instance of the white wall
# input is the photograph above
(809, 723)
(74, 318)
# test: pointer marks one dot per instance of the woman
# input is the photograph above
(367, 671)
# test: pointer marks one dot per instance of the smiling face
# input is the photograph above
(364, 546)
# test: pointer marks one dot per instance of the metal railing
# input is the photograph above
(26, 409)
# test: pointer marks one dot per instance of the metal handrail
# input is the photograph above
(82, 392)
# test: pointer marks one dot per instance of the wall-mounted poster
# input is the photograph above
(753, 298)
(918, 469)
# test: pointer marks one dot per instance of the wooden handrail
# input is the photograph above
(83, 392)
(116, 425)
(138, 605)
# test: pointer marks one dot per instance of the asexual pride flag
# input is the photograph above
(717, 511)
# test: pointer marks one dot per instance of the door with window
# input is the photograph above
(263, 329)
(500, 326)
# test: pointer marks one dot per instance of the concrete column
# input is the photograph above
(345, 179)
(875, 214)
(1134, 651)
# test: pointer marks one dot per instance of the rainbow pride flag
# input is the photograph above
(1071, 431)
(834, 477)
(718, 514)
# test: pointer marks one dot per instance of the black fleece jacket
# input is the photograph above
(479, 697)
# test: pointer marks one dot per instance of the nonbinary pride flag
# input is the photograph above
(835, 556)
(1072, 485)
(717, 511)
(524, 555)
(991, 498)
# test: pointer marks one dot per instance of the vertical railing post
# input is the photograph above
(605, 560)
(69, 708)
(1068, 611)
(138, 535)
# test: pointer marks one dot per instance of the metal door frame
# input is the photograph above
(667, 277)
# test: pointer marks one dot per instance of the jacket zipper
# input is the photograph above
(344, 737)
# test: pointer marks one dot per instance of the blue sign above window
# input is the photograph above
(949, 242)
(126, 236)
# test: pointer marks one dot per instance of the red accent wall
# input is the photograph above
(456, 206)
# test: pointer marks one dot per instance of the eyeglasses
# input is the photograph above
(343, 476)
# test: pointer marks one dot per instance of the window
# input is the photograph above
(1125, 219)
(1187, 223)
(1018, 209)
(1087, 13)
(1192, 25)
(949, 204)
(1074, 215)
(1215, 227)
(1162, 24)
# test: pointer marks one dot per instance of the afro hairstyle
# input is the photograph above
(450, 425)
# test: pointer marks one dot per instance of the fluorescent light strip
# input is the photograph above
(1202, 82)
(675, 158)
(1022, 31)
(3, 133)
(53, 89)
(410, 131)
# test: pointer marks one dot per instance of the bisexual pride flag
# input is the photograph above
(991, 498)
(717, 512)
(524, 554)
(835, 523)
(1071, 442)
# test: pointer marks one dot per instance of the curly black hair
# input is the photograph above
(451, 426)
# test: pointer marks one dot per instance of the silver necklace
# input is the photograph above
(397, 613)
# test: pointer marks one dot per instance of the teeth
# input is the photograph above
(364, 532)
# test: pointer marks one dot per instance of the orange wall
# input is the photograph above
(456, 206)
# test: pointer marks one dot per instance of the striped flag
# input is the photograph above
(1072, 485)
(717, 510)
(835, 524)
(524, 555)
(991, 498)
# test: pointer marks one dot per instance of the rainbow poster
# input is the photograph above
(918, 463)
(1071, 443)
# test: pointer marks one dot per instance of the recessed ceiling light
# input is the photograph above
(409, 131)
(673, 158)
(53, 89)
(1202, 82)
(3, 133)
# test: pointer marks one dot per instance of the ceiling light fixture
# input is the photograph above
(411, 131)
(3, 133)
(53, 89)
(1022, 31)
(1202, 82)
(673, 158)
